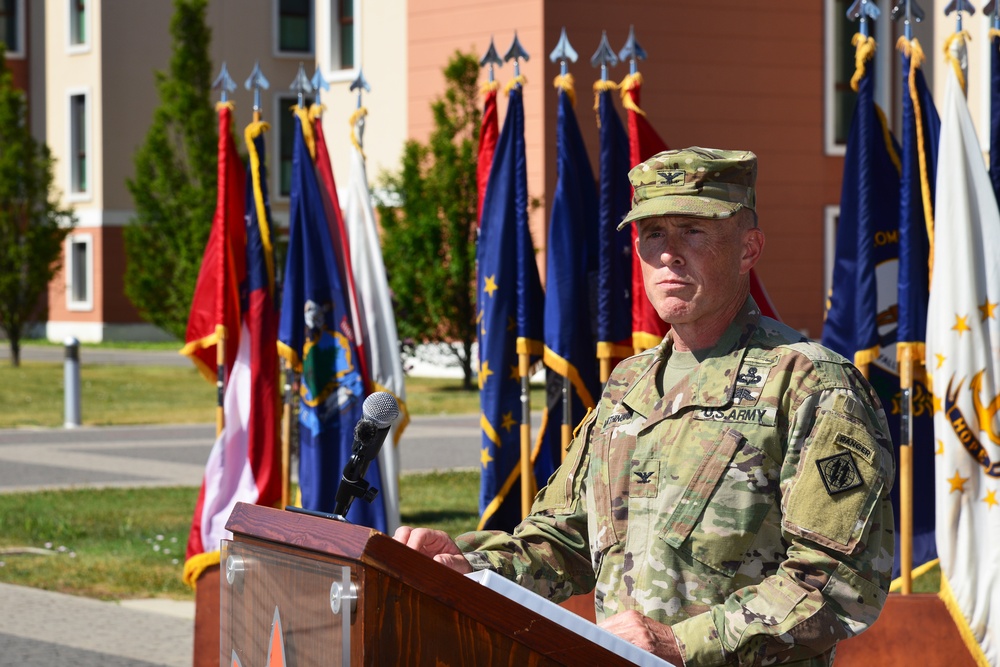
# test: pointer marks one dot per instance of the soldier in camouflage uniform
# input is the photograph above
(729, 497)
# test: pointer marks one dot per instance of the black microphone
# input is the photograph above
(380, 411)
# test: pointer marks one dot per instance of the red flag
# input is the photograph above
(488, 133)
(647, 327)
(244, 464)
(215, 306)
(341, 243)
(760, 295)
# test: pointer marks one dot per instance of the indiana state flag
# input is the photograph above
(316, 337)
(614, 284)
(509, 298)
(963, 359)
(570, 271)
(920, 132)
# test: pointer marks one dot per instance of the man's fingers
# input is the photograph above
(455, 562)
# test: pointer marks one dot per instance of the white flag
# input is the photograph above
(963, 358)
(377, 319)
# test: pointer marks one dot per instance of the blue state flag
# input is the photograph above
(571, 270)
(614, 283)
(861, 311)
(316, 337)
(920, 134)
(509, 298)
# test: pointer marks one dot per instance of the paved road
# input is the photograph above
(97, 355)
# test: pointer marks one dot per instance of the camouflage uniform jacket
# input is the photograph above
(748, 507)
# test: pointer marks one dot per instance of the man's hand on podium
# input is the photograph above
(436, 544)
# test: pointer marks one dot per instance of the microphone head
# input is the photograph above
(381, 408)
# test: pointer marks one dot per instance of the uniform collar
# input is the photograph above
(710, 385)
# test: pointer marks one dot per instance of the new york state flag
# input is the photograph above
(963, 359)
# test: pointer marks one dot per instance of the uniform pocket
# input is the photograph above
(724, 504)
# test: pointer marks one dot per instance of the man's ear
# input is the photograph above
(752, 245)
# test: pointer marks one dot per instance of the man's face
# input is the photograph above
(691, 267)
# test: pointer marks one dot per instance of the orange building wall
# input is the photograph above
(110, 305)
(726, 74)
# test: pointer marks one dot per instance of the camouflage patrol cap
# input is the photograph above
(696, 182)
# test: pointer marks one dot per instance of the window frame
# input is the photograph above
(19, 29)
(335, 73)
(883, 62)
(831, 217)
(84, 46)
(276, 32)
(87, 240)
(85, 194)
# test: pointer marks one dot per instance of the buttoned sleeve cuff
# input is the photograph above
(698, 641)
(479, 561)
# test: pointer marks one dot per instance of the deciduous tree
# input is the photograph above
(175, 181)
(430, 227)
(32, 222)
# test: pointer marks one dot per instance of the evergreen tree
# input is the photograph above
(432, 232)
(175, 180)
(32, 223)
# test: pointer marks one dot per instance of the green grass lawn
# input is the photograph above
(118, 544)
(32, 395)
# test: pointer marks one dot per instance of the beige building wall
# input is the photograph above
(380, 38)
(978, 78)
(128, 42)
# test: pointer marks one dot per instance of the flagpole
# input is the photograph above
(561, 53)
(515, 53)
(258, 82)
(906, 418)
(225, 84)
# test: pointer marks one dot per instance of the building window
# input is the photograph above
(77, 22)
(839, 68)
(12, 27)
(79, 180)
(295, 26)
(286, 135)
(79, 272)
(346, 33)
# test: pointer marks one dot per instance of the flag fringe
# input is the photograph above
(254, 130)
(951, 604)
(489, 87)
(519, 80)
(219, 106)
(887, 138)
(195, 565)
(567, 369)
(642, 340)
(916, 55)
(628, 83)
(864, 51)
(514, 475)
(607, 350)
(307, 130)
(353, 121)
(291, 356)
(601, 87)
(190, 348)
(316, 110)
(954, 42)
(530, 346)
(565, 83)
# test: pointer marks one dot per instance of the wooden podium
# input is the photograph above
(286, 592)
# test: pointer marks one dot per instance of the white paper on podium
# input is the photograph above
(567, 619)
